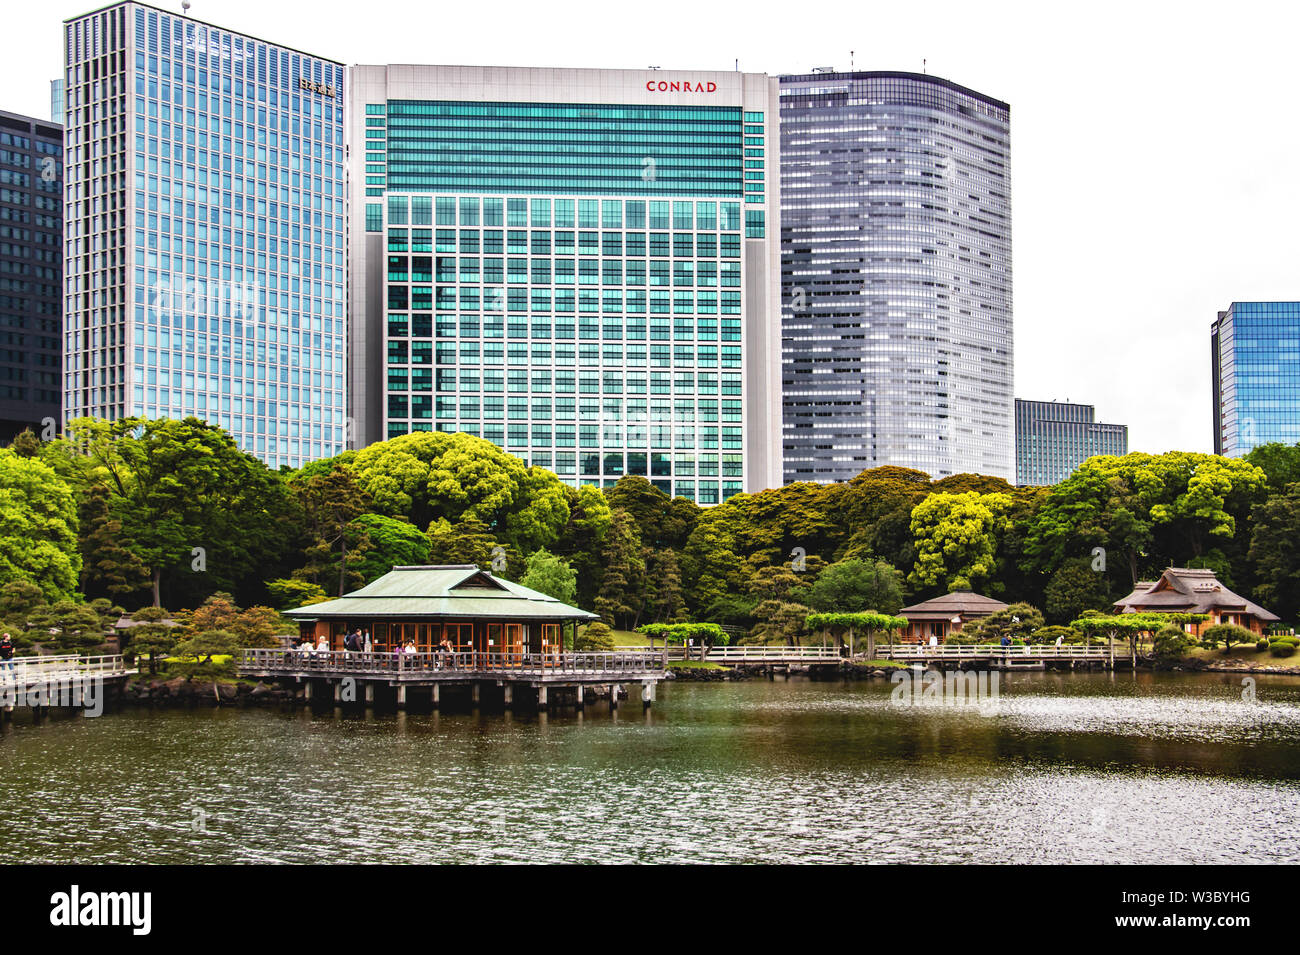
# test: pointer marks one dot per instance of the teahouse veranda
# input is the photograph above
(473, 609)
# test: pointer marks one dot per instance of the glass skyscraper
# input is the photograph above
(31, 260)
(577, 265)
(895, 276)
(1055, 437)
(1255, 367)
(204, 239)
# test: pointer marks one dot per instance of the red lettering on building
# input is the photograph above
(680, 86)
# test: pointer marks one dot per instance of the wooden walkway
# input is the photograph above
(434, 670)
(760, 655)
(1030, 656)
(67, 680)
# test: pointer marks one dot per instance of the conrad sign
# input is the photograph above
(680, 86)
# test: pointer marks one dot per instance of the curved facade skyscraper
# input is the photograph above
(896, 276)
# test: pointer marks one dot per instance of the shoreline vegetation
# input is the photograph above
(171, 513)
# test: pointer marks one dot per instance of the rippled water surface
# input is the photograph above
(1062, 768)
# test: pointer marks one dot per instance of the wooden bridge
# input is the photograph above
(1028, 657)
(432, 671)
(760, 655)
(67, 680)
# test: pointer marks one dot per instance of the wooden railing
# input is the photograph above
(1044, 651)
(401, 664)
(63, 666)
(761, 654)
(749, 654)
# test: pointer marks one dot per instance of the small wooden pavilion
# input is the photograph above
(473, 610)
(946, 615)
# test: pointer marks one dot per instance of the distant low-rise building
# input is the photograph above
(1195, 590)
(1055, 437)
(942, 616)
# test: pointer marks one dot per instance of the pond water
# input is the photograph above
(1062, 768)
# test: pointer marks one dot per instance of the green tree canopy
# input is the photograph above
(435, 476)
(392, 541)
(198, 512)
(38, 526)
(856, 585)
(956, 538)
(1275, 553)
(551, 575)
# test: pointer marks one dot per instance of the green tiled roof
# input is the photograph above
(452, 591)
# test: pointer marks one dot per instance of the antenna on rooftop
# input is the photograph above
(851, 61)
(185, 6)
(923, 69)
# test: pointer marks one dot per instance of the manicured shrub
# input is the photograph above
(1281, 648)
(1171, 643)
(595, 636)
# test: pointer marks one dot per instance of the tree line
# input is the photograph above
(170, 512)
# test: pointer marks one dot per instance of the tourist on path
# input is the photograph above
(7, 654)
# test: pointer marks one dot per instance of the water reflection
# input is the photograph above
(1067, 768)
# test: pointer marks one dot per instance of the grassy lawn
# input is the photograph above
(1243, 654)
(696, 665)
(630, 638)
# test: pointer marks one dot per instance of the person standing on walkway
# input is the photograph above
(7, 654)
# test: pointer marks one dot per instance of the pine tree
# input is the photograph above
(108, 564)
(622, 584)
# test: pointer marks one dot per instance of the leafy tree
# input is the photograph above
(866, 623)
(20, 598)
(956, 539)
(711, 565)
(1228, 634)
(1149, 511)
(254, 627)
(1275, 552)
(776, 583)
(435, 476)
(288, 593)
(1074, 588)
(176, 486)
(662, 522)
(468, 542)
(874, 513)
(857, 585)
(681, 633)
(203, 646)
(392, 543)
(38, 526)
(1279, 462)
(551, 575)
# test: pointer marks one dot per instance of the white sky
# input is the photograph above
(1154, 147)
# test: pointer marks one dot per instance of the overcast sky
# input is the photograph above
(1154, 145)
